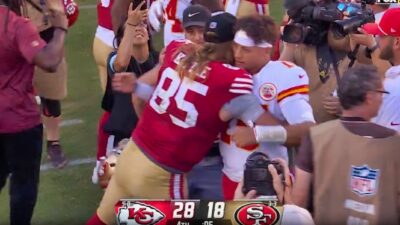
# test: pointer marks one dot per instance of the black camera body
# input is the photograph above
(257, 176)
(310, 21)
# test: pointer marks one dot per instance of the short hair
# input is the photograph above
(259, 28)
(356, 83)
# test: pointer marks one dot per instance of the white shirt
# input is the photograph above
(389, 113)
(279, 87)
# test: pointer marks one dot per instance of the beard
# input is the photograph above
(387, 52)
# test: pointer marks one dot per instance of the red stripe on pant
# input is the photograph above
(228, 187)
(102, 137)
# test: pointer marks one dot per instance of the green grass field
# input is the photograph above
(67, 196)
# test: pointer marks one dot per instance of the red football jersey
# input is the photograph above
(181, 120)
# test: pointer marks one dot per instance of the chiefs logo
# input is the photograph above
(136, 213)
(268, 91)
(257, 214)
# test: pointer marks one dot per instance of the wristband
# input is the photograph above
(369, 51)
(143, 90)
(62, 28)
(275, 134)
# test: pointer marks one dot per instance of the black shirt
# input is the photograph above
(123, 118)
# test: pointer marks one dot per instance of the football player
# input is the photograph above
(171, 12)
(185, 113)
(281, 88)
(51, 87)
(240, 8)
(104, 39)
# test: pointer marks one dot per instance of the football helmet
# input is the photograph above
(71, 10)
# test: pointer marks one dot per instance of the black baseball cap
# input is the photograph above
(195, 15)
(220, 28)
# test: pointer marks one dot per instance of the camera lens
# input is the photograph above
(293, 33)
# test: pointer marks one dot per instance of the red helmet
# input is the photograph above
(72, 11)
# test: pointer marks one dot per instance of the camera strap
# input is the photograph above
(353, 55)
(325, 58)
(335, 64)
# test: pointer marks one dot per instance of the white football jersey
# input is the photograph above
(173, 13)
(389, 113)
(277, 84)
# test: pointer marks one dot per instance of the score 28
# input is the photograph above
(186, 210)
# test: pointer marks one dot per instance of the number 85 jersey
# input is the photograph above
(181, 120)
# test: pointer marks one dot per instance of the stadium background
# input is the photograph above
(68, 196)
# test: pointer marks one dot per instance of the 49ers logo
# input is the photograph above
(257, 214)
(137, 213)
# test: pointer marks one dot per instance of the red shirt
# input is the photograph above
(20, 42)
(181, 120)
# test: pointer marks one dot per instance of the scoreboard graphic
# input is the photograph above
(197, 212)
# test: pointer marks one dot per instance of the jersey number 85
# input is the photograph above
(178, 88)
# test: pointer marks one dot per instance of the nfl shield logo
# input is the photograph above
(364, 180)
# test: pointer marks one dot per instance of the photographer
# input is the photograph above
(316, 43)
(21, 131)
(357, 183)
(292, 214)
(388, 35)
(134, 54)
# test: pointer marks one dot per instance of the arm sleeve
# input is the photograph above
(244, 107)
(297, 110)
(304, 157)
(28, 40)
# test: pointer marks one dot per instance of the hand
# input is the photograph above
(136, 16)
(156, 12)
(161, 56)
(283, 188)
(124, 82)
(365, 39)
(332, 105)
(58, 19)
(240, 196)
(243, 136)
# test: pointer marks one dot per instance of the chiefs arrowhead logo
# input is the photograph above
(268, 91)
(137, 213)
(257, 214)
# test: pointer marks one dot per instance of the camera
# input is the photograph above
(310, 21)
(357, 16)
(257, 176)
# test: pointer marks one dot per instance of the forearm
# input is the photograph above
(296, 132)
(118, 13)
(124, 52)
(51, 55)
(299, 116)
(381, 65)
(302, 188)
(138, 105)
(151, 76)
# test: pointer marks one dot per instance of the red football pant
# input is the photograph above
(95, 220)
(228, 187)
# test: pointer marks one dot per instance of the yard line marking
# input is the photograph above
(72, 163)
(71, 122)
